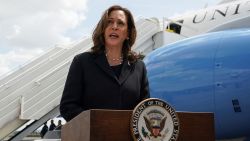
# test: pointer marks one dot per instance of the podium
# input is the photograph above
(114, 125)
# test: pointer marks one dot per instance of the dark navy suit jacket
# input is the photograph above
(92, 84)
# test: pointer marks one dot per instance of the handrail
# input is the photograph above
(38, 63)
(52, 72)
(37, 66)
(24, 64)
(30, 68)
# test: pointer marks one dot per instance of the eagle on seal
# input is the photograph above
(155, 125)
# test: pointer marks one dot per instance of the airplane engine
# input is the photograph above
(206, 73)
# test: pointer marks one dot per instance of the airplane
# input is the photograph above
(203, 66)
(229, 14)
(207, 73)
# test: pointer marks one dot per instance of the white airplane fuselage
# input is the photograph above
(235, 14)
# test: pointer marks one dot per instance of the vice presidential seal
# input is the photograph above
(154, 120)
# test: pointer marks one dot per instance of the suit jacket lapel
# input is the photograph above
(126, 68)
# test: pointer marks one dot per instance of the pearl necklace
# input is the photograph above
(114, 59)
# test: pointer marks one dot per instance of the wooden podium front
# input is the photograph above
(114, 125)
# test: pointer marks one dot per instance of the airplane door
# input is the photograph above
(232, 85)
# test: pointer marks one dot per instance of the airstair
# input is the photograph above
(33, 92)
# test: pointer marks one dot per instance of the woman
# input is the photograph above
(110, 76)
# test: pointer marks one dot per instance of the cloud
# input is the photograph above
(40, 23)
(36, 24)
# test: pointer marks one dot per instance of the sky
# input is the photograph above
(29, 28)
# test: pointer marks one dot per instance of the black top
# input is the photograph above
(92, 84)
(117, 70)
